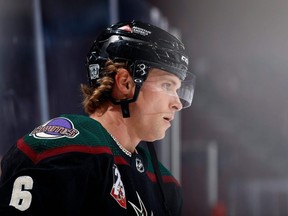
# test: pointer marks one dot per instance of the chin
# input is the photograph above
(160, 137)
(154, 135)
(155, 138)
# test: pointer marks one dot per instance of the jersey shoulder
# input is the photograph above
(66, 133)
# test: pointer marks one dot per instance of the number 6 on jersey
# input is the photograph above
(21, 198)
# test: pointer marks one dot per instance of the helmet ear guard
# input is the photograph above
(143, 46)
(140, 72)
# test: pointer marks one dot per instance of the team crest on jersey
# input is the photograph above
(140, 211)
(118, 191)
(55, 128)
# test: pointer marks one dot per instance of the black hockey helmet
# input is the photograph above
(143, 46)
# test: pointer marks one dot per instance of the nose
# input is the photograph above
(176, 103)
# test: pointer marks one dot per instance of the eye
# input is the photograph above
(167, 86)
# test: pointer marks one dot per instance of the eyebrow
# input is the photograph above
(176, 84)
(171, 79)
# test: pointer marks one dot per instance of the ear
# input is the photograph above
(123, 83)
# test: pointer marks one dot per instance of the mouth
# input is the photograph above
(168, 118)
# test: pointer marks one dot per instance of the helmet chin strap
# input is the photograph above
(125, 108)
(124, 103)
(140, 72)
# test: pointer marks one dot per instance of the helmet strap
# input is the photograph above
(125, 108)
(124, 103)
(140, 72)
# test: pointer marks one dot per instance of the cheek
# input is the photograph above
(153, 99)
(149, 104)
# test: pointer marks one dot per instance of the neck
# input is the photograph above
(116, 126)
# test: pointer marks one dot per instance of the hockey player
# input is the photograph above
(76, 165)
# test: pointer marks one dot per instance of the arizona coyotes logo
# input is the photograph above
(140, 211)
(118, 191)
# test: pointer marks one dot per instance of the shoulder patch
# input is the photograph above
(56, 128)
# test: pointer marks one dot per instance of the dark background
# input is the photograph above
(239, 52)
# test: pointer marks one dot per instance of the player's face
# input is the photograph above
(156, 105)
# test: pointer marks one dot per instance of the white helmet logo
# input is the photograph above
(183, 58)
